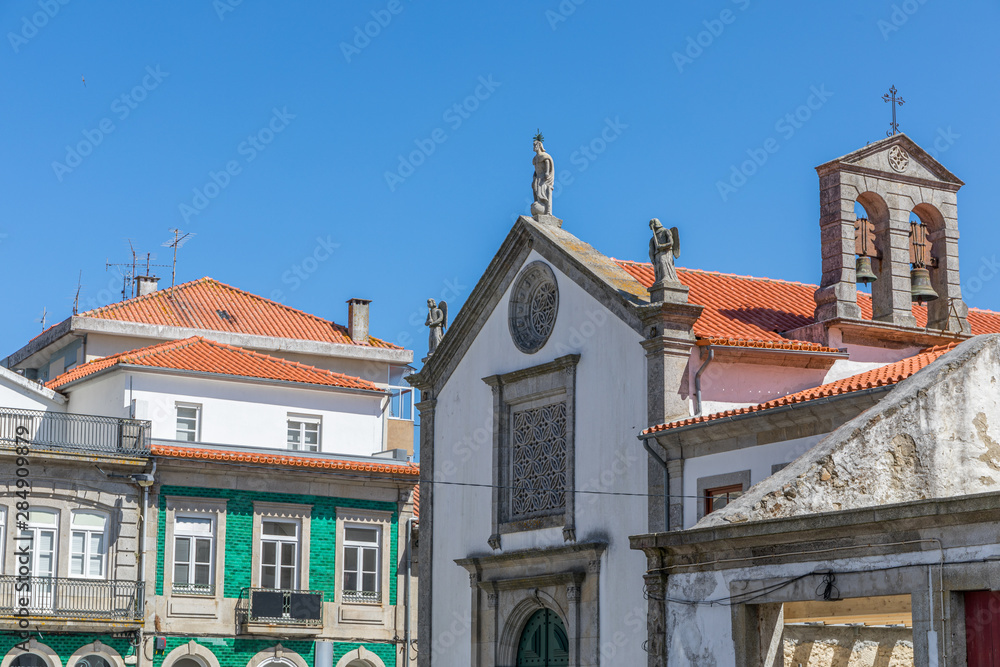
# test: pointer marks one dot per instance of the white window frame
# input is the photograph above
(280, 540)
(189, 587)
(88, 532)
(197, 421)
(3, 538)
(303, 421)
(403, 394)
(358, 594)
(34, 528)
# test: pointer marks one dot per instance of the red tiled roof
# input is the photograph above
(878, 377)
(209, 304)
(202, 355)
(283, 460)
(747, 311)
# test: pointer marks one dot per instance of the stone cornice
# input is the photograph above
(562, 363)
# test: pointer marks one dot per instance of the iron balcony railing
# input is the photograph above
(70, 598)
(60, 431)
(278, 606)
(194, 589)
(362, 596)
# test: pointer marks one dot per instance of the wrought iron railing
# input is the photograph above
(279, 606)
(61, 431)
(362, 596)
(70, 598)
(194, 589)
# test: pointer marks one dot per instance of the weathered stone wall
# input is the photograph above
(826, 646)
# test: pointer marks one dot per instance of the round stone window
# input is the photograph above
(534, 303)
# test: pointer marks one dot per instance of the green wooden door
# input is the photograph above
(543, 642)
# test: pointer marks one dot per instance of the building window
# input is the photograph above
(43, 531)
(400, 393)
(361, 563)
(88, 545)
(29, 660)
(194, 552)
(93, 660)
(303, 433)
(188, 422)
(3, 536)
(719, 497)
(279, 559)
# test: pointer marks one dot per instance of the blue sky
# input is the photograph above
(315, 162)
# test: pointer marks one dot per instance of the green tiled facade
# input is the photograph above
(239, 535)
(230, 651)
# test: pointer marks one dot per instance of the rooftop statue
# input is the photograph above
(664, 247)
(544, 180)
(437, 320)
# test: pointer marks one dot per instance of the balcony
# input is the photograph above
(64, 432)
(373, 597)
(76, 599)
(275, 607)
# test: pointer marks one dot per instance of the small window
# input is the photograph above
(279, 555)
(362, 570)
(188, 422)
(29, 660)
(303, 433)
(88, 545)
(719, 497)
(400, 393)
(194, 549)
(93, 660)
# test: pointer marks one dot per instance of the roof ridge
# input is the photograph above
(286, 362)
(684, 269)
(144, 297)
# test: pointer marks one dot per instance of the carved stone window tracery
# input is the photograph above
(534, 305)
(538, 461)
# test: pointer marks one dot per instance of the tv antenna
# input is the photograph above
(129, 273)
(180, 238)
(76, 298)
(44, 318)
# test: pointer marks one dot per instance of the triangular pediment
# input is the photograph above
(897, 156)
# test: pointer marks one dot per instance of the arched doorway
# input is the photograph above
(543, 642)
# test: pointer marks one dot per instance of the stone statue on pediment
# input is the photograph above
(543, 182)
(664, 248)
(437, 321)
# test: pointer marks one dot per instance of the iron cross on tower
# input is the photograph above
(891, 98)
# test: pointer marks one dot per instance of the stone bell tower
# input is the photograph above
(892, 179)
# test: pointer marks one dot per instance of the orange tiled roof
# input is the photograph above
(878, 377)
(209, 304)
(202, 355)
(284, 460)
(750, 312)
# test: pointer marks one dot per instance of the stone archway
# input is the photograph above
(191, 654)
(543, 642)
(517, 620)
(360, 657)
(46, 654)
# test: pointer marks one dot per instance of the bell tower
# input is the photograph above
(893, 179)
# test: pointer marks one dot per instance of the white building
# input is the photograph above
(532, 479)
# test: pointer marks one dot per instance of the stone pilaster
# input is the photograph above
(949, 311)
(837, 296)
(656, 617)
(891, 300)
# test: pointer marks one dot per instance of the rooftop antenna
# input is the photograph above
(180, 238)
(76, 299)
(129, 274)
(43, 318)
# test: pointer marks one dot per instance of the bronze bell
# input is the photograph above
(863, 270)
(920, 285)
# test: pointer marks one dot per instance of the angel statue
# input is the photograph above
(437, 320)
(664, 247)
(544, 179)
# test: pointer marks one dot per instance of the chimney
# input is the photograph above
(357, 319)
(146, 284)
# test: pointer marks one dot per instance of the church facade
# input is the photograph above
(561, 413)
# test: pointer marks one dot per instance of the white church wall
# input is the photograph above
(610, 412)
(236, 412)
(758, 460)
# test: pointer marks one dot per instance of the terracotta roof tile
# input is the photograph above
(214, 306)
(284, 460)
(878, 377)
(747, 311)
(202, 355)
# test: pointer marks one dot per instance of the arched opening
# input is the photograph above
(927, 249)
(871, 243)
(544, 642)
(29, 660)
(188, 662)
(93, 660)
